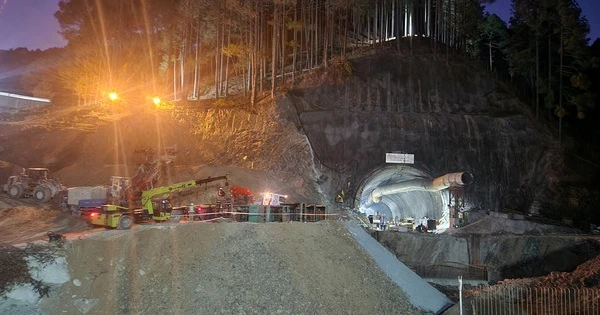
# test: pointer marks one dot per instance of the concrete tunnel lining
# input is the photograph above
(415, 204)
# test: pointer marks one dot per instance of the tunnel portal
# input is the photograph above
(411, 204)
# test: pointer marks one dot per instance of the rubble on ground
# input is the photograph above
(586, 275)
(223, 268)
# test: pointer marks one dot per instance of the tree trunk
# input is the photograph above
(181, 71)
(436, 28)
(227, 62)
(560, 89)
(255, 47)
(195, 92)
(550, 74)
(326, 34)
(295, 43)
(345, 45)
(174, 78)
(274, 51)
(537, 76)
(221, 92)
(316, 41)
(447, 32)
(281, 34)
(490, 52)
(217, 64)
(410, 25)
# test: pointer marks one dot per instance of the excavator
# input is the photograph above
(115, 216)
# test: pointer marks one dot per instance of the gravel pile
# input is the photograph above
(225, 268)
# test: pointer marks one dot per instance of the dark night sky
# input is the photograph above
(31, 23)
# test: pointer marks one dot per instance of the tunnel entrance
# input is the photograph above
(411, 204)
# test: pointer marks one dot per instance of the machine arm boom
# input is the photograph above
(147, 195)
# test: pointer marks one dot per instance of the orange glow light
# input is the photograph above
(113, 96)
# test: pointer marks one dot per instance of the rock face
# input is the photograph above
(451, 117)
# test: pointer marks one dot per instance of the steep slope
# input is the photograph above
(87, 146)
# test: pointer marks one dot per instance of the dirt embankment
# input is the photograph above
(586, 275)
(23, 221)
(84, 146)
(225, 268)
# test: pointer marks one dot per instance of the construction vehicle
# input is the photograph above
(33, 182)
(153, 204)
(152, 163)
(241, 195)
(89, 198)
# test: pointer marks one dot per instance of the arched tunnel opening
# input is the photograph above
(401, 192)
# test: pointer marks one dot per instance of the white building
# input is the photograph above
(10, 101)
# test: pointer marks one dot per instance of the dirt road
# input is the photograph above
(23, 221)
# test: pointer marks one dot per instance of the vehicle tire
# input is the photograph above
(15, 191)
(41, 194)
(125, 222)
(176, 216)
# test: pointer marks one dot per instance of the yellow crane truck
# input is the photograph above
(114, 216)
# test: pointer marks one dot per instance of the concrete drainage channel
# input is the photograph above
(420, 293)
(223, 268)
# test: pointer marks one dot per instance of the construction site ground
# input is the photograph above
(221, 268)
(202, 268)
(23, 221)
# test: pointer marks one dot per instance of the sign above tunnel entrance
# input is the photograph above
(400, 158)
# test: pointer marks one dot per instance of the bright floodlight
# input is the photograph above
(113, 96)
(156, 100)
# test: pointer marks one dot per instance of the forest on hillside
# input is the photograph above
(179, 49)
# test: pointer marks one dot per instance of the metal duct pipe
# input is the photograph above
(440, 183)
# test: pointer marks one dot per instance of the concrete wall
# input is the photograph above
(504, 256)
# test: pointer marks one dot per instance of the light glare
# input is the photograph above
(113, 96)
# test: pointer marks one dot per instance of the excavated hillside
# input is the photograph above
(451, 115)
(327, 133)
(86, 146)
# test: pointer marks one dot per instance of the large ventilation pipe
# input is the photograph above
(440, 183)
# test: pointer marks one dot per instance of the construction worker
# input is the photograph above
(340, 197)
(191, 212)
(163, 207)
(221, 196)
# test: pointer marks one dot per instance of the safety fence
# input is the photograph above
(245, 216)
(515, 300)
(258, 213)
